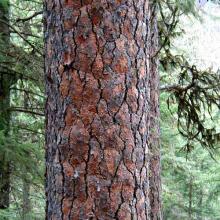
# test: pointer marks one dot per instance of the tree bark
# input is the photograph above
(4, 113)
(26, 206)
(190, 198)
(153, 120)
(101, 111)
(200, 205)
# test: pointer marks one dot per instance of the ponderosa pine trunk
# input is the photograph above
(4, 108)
(101, 110)
(153, 120)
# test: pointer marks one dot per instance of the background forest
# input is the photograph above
(189, 63)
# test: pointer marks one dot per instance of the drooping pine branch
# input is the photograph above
(195, 92)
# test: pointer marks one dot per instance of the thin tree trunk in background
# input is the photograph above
(26, 206)
(201, 198)
(200, 208)
(4, 183)
(190, 198)
(100, 94)
(4, 113)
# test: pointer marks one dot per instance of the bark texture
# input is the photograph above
(26, 206)
(153, 121)
(100, 102)
(5, 83)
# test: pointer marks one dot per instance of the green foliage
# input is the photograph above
(4, 4)
(189, 105)
(23, 145)
(194, 91)
(197, 95)
(181, 169)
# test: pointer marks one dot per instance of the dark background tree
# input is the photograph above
(5, 82)
(21, 133)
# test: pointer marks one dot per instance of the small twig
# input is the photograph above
(20, 35)
(27, 92)
(25, 111)
(30, 17)
(32, 131)
(175, 87)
